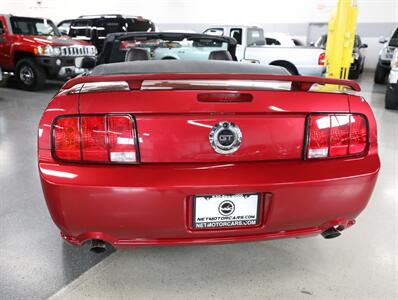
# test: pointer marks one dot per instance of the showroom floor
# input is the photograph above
(35, 263)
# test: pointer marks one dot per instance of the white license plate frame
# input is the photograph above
(223, 211)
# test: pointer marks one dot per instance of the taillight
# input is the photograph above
(95, 138)
(336, 135)
(321, 59)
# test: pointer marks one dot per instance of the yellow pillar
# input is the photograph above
(341, 37)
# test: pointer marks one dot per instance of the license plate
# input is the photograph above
(218, 211)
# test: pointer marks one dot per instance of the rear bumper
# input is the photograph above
(152, 204)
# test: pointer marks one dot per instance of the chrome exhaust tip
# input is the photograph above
(331, 233)
(97, 246)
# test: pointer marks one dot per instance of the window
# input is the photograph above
(1, 26)
(64, 27)
(31, 26)
(105, 26)
(255, 37)
(81, 28)
(236, 33)
(394, 39)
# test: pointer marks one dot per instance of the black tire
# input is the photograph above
(30, 75)
(354, 74)
(391, 101)
(380, 75)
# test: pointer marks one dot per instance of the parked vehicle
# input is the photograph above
(385, 55)
(251, 48)
(64, 26)
(391, 101)
(254, 153)
(34, 50)
(95, 28)
(130, 46)
(358, 55)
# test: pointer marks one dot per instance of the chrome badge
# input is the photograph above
(225, 137)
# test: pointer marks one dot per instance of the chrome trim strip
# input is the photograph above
(73, 90)
(216, 84)
(105, 86)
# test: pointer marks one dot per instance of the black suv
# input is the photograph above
(95, 28)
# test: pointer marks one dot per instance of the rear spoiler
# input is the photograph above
(188, 81)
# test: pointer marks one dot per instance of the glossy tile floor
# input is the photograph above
(35, 263)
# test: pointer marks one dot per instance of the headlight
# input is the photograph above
(387, 53)
(48, 51)
(355, 56)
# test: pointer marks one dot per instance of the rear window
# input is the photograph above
(255, 37)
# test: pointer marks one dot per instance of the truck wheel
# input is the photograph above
(380, 75)
(391, 101)
(30, 76)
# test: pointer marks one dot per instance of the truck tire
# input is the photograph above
(30, 76)
(391, 101)
(380, 75)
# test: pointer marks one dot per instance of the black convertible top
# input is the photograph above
(179, 66)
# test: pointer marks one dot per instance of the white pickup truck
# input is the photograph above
(252, 48)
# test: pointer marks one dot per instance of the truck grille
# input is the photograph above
(77, 51)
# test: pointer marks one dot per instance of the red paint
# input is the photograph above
(150, 203)
(26, 45)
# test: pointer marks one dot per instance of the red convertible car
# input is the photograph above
(182, 152)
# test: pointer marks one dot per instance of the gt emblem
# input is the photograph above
(225, 137)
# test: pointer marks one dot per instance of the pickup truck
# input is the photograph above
(252, 48)
(34, 50)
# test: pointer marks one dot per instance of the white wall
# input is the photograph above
(376, 17)
(205, 11)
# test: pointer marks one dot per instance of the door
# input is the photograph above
(4, 46)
